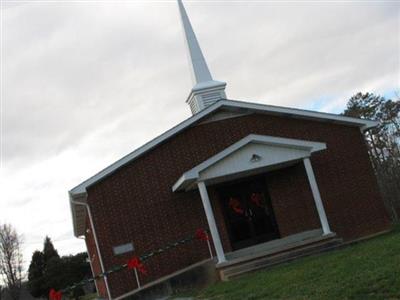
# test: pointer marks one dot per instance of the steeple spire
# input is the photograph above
(205, 91)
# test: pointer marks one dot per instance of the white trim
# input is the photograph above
(262, 108)
(91, 266)
(211, 222)
(96, 243)
(317, 197)
(302, 113)
(229, 105)
(81, 188)
(194, 174)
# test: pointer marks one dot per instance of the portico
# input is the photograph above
(252, 155)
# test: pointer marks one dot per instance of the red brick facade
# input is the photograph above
(136, 203)
(292, 200)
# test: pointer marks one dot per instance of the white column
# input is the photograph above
(211, 222)
(317, 196)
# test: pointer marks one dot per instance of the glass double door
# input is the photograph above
(248, 212)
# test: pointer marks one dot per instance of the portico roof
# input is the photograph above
(252, 154)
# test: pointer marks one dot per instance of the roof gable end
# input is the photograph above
(227, 105)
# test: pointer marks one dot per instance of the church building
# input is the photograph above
(264, 181)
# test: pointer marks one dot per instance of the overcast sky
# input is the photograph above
(87, 82)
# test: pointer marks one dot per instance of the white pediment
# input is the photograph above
(254, 155)
(250, 154)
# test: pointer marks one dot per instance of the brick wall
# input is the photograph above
(136, 203)
(292, 200)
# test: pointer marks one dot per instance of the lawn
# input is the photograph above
(89, 297)
(366, 270)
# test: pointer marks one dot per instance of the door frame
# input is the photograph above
(253, 240)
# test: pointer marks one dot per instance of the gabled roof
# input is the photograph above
(234, 106)
(230, 105)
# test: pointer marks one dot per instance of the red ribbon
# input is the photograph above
(54, 295)
(234, 203)
(201, 235)
(256, 198)
(135, 263)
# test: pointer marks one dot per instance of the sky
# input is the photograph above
(85, 82)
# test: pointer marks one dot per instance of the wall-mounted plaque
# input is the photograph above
(121, 249)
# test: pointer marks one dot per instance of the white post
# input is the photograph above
(209, 248)
(211, 222)
(317, 196)
(137, 278)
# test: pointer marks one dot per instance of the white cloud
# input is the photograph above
(86, 83)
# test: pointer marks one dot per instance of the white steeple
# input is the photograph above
(205, 91)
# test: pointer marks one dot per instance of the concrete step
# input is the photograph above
(228, 272)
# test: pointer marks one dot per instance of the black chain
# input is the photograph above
(142, 258)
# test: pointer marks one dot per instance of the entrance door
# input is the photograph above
(248, 212)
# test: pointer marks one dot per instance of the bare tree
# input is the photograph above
(11, 260)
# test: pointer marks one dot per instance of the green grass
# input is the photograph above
(89, 297)
(366, 270)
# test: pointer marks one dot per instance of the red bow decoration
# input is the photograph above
(54, 295)
(256, 198)
(234, 203)
(201, 235)
(135, 263)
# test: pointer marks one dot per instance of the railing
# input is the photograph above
(136, 263)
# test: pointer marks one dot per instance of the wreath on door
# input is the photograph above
(235, 205)
(256, 199)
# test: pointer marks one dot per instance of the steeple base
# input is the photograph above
(205, 94)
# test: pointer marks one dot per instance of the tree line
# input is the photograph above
(383, 144)
(48, 270)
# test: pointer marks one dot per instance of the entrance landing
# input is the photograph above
(275, 252)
